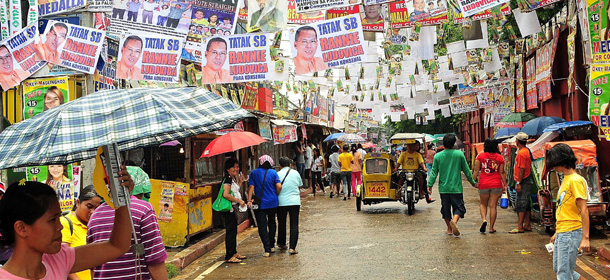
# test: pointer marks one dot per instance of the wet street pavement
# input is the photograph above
(383, 242)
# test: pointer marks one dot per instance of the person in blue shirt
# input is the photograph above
(267, 209)
(289, 204)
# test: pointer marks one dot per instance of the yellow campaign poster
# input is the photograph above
(174, 231)
(166, 203)
(40, 95)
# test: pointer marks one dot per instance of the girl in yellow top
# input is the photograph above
(74, 232)
(572, 226)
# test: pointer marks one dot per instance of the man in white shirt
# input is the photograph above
(148, 6)
(308, 162)
(335, 171)
(361, 151)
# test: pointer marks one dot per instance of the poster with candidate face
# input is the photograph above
(332, 43)
(427, 13)
(149, 57)
(40, 95)
(372, 19)
(267, 16)
(20, 57)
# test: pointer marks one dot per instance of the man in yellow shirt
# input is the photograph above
(412, 160)
(572, 226)
(345, 160)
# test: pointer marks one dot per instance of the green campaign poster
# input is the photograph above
(599, 31)
(40, 95)
(60, 180)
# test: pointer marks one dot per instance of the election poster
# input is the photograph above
(372, 19)
(427, 13)
(455, 12)
(242, 15)
(543, 72)
(303, 6)
(303, 17)
(171, 18)
(531, 93)
(344, 11)
(237, 58)
(267, 16)
(105, 78)
(59, 178)
(40, 95)
(599, 99)
(463, 103)
(599, 34)
(53, 7)
(14, 9)
(166, 202)
(72, 46)
(149, 57)
(326, 44)
(485, 97)
(471, 7)
(5, 28)
(520, 94)
(530, 5)
(100, 5)
(399, 15)
(504, 97)
(264, 128)
(20, 57)
(212, 18)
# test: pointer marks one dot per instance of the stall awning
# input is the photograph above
(282, 122)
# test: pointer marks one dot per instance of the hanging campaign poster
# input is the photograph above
(456, 12)
(543, 72)
(303, 6)
(304, 17)
(40, 95)
(53, 7)
(212, 18)
(149, 57)
(427, 13)
(5, 28)
(32, 13)
(21, 57)
(264, 128)
(242, 15)
(267, 15)
(371, 17)
(238, 58)
(330, 43)
(72, 46)
(14, 10)
(464, 103)
(485, 96)
(531, 93)
(171, 18)
(471, 7)
(344, 11)
(106, 78)
(399, 15)
(599, 99)
(166, 202)
(519, 95)
(100, 5)
(530, 5)
(59, 178)
(599, 34)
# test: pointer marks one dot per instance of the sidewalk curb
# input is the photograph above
(195, 251)
(604, 252)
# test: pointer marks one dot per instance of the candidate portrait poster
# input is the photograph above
(21, 56)
(531, 93)
(464, 103)
(72, 46)
(212, 18)
(53, 7)
(453, 8)
(331, 43)
(149, 57)
(58, 177)
(237, 58)
(303, 17)
(303, 6)
(40, 95)
(471, 7)
(169, 18)
(427, 12)
(399, 15)
(372, 19)
(267, 16)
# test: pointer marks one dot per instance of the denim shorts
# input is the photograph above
(565, 252)
(452, 201)
(522, 204)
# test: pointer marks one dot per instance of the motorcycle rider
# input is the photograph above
(412, 160)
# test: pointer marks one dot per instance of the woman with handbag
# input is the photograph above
(263, 189)
(232, 198)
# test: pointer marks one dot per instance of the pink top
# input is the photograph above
(58, 265)
(430, 156)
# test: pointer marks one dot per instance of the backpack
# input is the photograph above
(66, 215)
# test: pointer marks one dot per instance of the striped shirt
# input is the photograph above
(147, 231)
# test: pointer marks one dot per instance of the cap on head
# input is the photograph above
(522, 136)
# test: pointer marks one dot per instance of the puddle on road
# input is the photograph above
(357, 247)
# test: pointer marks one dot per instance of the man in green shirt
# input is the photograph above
(451, 162)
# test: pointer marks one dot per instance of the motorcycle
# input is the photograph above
(409, 190)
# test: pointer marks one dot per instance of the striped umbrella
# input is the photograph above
(351, 139)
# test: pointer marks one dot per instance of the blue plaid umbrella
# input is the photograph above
(132, 118)
(333, 137)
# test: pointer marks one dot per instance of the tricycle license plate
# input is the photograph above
(376, 190)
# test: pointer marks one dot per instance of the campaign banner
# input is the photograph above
(71, 19)
(599, 99)
(72, 46)
(471, 7)
(341, 12)
(531, 93)
(32, 14)
(171, 18)
(238, 58)
(58, 177)
(106, 78)
(149, 57)
(485, 97)
(399, 15)
(53, 7)
(599, 93)
(456, 12)
(543, 72)
(303, 17)
(40, 95)
(5, 28)
(100, 5)
(212, 18)
(372, 19)
(330, 43)
(463, 103)
(242, 15)
(427, 13)
(303, 6)
(519, 95)
(21, 57)
(267, 16)
(14, 9)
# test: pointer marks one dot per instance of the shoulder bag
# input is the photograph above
(258, 200)
(221, 204)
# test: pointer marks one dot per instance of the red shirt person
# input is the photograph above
(524, 184)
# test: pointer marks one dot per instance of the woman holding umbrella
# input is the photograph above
(231, 183)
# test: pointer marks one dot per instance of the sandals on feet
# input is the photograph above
(515, 230)
(233, 260)
(527, 229)
(483, 227)
(492, 231)
(240, 256)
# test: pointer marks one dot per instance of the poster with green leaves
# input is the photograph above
(599, 31)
